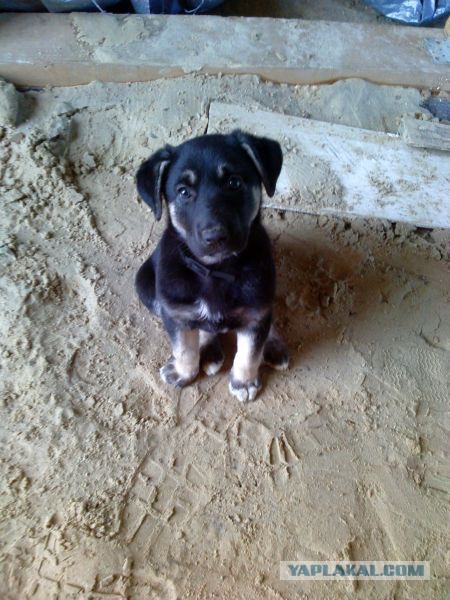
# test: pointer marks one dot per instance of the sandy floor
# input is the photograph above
(114, 485)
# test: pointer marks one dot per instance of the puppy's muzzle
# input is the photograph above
(214, 235)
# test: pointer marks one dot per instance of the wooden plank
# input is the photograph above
(58, 49)
(339, 170)
(426, 134)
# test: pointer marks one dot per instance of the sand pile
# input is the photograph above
(115, 485)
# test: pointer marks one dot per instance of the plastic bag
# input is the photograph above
(413, 12)
(75, 5)
(56, 5)
(21, 5)
(140, 6)
(174, 7)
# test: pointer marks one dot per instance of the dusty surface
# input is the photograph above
(9, 104)
(114, 485)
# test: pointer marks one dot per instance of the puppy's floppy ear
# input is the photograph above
(150, 176)
(265, 154)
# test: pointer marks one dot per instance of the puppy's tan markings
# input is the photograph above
(223, 170)
(186, 353)
(176, 222)
(257, 197)
(212, 359)
(189, 176)
(246, 362)
(183, 366)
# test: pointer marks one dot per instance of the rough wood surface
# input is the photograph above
(57, 49)
(426, 134)
(339, 170)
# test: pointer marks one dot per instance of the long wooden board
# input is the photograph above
(58, 49)
(334, 169)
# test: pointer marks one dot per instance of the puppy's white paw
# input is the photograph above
(212, 368)
(170, 375)
(245, 391)
(279, 366)
(211, 357)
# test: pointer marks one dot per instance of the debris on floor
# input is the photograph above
(9, 104)
(426, 134)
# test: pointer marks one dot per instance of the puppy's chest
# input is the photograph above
(213, 313)
(218, 308)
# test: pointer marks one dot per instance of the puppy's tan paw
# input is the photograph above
(170, 375)
(212, 368)
(245, 391)
(211, 357)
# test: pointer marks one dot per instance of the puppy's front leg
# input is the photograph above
(244, 378)
(183, 366)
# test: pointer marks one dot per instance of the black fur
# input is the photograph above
(213, 269)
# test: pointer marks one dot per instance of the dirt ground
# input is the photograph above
(115, 486)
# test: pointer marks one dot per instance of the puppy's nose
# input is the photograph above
(212, 235)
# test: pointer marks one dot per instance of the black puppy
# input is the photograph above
(213, 271)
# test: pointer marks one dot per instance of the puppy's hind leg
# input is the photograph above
(211, 353)
(145, 286)
(275, 354)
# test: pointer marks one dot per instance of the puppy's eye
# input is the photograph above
(184, 192)
(234, 182)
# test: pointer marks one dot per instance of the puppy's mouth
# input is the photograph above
(223, 252)
(219, 251)
(217, 257)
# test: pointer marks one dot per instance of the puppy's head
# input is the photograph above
(212, 185)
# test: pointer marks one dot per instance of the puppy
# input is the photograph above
(213, 270)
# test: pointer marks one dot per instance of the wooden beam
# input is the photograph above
(57, 49)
